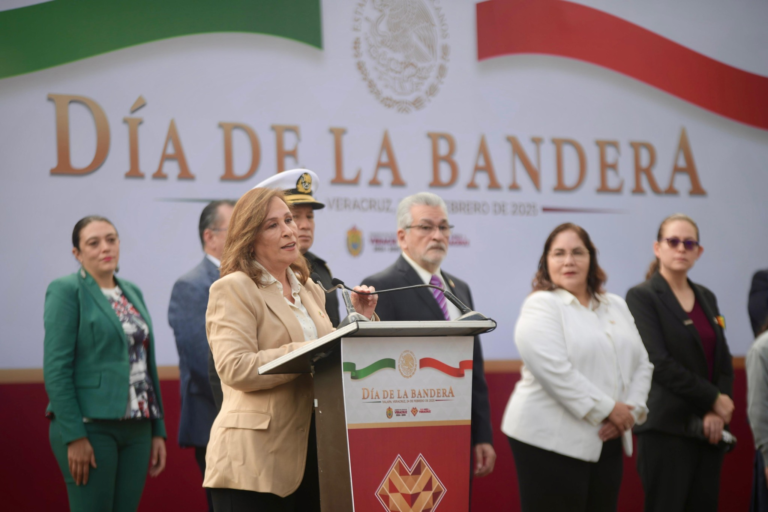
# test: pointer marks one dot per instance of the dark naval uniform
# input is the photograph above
(318, 266)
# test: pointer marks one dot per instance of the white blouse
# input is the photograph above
(299, 311)
(577, 363)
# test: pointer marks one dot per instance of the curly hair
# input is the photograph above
(596, 277)
(245, 226)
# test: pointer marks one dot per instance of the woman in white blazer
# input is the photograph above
(585, 381)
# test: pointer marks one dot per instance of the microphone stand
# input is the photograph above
(466, 313)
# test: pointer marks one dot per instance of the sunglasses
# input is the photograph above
(688, 244)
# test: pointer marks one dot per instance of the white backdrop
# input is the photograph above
(202, 80)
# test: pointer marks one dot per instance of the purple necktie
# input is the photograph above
(439, 296)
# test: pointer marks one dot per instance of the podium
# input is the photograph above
(393, 407)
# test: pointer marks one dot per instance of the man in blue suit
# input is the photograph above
(186, 315)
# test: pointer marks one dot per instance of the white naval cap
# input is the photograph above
(298, 184)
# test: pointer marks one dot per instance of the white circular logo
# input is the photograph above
(401, 50)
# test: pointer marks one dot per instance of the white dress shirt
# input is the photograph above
(577, 363)
(425, 276)
(214, 260)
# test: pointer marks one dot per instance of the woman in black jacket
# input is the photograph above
(679, 451)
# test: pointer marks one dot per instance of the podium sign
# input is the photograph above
(393, 407)
(408, 408)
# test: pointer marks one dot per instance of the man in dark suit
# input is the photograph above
(758, 300)
(186, 315)
(423, 233)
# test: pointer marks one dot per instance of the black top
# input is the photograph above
(420, 304)
(320, 267)
(758, 300)
(681, 388)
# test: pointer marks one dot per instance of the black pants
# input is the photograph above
(305, 499)
(200, 458)
(759, 501)
(550, 481)
(678, 473)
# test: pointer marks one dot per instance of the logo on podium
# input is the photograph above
(414, 489)
(407, 364)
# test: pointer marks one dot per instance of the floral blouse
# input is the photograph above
(142, 402)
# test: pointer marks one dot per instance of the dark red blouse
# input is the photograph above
(706, 333)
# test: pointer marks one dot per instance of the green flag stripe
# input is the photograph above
(53, 33)
(368, 370)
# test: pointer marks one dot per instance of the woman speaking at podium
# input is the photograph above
(585, 380)
(262, 453)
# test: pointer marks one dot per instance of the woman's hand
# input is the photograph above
(713, 427)
(364, 304)
(81, 459)
(621, 416)
(608, 431)
(157, 458)
(723, 407)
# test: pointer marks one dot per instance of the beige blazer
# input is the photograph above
(259, 438)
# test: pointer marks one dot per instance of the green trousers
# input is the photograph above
(122, 450)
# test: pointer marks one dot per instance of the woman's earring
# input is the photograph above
(117, 269)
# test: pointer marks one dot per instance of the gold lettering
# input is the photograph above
(561, 186)
(450, 392)
(282, 152)
(688, 167)
(447, 158)
(390, 163)
(366, 393)
(178, 155)
(487, 166)
(229, 171)
(338, 152)
(133, 146)
(605, 166)
(646, 170)
(533, 172)
(64, 165)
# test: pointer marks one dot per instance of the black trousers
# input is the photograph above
(200, 458)
(551, 482)
(759, 501)
(678, 473)
(305, 499)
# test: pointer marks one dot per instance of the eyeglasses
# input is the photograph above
(688, 244)
(577, 254)
(427, 229)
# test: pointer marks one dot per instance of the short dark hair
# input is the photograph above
(84, 222)
(210, 216)
(595, 276)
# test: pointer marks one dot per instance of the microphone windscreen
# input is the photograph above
(337, 282)
(315, 277)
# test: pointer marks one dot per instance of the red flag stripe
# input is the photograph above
(428, 362)
(565, 29)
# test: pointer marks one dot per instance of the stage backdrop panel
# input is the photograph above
(522, 115)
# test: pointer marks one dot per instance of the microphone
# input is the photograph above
(466, 312)
(696, 429)
(352, 314)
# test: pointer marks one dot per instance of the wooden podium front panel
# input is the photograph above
(408, 412)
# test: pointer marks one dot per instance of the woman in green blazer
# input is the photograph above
(101, 378)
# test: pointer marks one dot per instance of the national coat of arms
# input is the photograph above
(401, 50)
